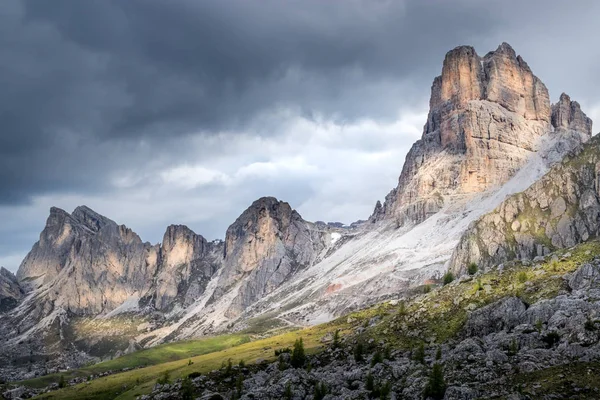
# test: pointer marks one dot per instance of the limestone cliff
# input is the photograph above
(187, 263)
(267, 244)
(560, 210)
(10, 290)
(88, 264)
(485, 119)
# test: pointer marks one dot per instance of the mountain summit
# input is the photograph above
(485, 119)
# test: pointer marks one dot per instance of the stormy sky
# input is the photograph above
(157, 112)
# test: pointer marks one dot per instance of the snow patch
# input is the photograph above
(335, 236)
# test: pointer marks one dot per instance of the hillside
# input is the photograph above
(506, 332)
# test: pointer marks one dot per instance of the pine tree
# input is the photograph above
(298, 356)
(419, 354)
(287, 395)
(358, 352)
(436, 387)
(187, 389)
(336, 339)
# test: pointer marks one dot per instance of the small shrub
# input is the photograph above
(436, 387)
(448, 278)
(370, 382)
(377, 358)
(590, 325)
(320, 391)
(279, 352)
(478, 285)
(288, 394)
(242, 364)
(438, 354)
(61, 382)
(419, 354)
(229, 367)
(522, 277)
(385, 390)
(282, 365)
(402, 308)
(164, 378)
(187, 389)
(190, 362)
(472, 268)
(359, 351)
(239, 384)
(551, 338)
(336, 339)
(298, 357)
(387, 352)
(426, 289)
(513, 347)
(539, 325)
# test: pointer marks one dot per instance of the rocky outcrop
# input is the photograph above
(560, 210)
(267, 244)
(506, 349)
(10, 290)
(567, 115)
(486, 117)
(88, 264)
(187, 263)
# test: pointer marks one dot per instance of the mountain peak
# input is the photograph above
(90, 218)
(567, 115)
(485, 119)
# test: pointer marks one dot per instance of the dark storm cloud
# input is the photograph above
(99, 97)
(80, 77)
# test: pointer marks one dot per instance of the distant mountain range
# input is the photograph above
(91, 288)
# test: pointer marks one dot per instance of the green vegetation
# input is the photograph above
(560, 380)
(419, 353)
(448, 278)
(436, 387)
(472, 268)
(298, 356)
(359, 351)
(288, 394)
(377, 358)
(336, 340)
(438, 316)
(320, 391)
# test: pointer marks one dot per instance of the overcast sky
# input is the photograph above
(158, 112)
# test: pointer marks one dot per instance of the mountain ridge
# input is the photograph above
(491, 132)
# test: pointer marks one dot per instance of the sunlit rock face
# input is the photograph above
(560, 210)
(187, 263)
(567, 116)
(10, 290)
(267, 244)
(486, 116)
(87, 264)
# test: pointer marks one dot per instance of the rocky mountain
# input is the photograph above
(558, 211)
(92, 287)
(266, 245)
(10, 290)
(481, 109)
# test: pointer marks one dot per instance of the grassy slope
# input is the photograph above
(128, 385)
(147, 357)
(433, 317)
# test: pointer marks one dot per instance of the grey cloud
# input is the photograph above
(99, 89)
